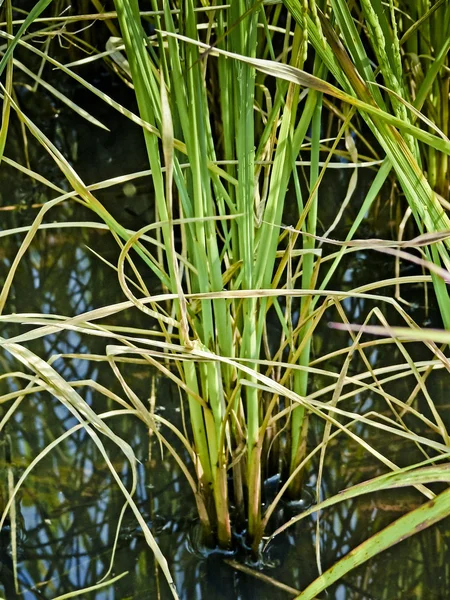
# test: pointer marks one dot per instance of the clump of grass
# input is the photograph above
(229, 225)
(229, 222)
(227, 109)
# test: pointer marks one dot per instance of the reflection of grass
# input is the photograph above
(224, 125)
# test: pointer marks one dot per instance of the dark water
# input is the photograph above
(69, 505)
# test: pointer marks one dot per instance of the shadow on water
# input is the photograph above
(69, 506)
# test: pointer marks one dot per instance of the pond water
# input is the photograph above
(69, 505)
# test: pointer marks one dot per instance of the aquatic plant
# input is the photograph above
(232, 99)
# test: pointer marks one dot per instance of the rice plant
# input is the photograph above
(230, 223)
(233, 103)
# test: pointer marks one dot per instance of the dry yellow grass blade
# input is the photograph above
(92, 423)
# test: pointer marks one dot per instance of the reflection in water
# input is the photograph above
(69, 506)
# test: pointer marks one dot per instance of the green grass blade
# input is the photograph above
(419, 519)
(34, 13)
